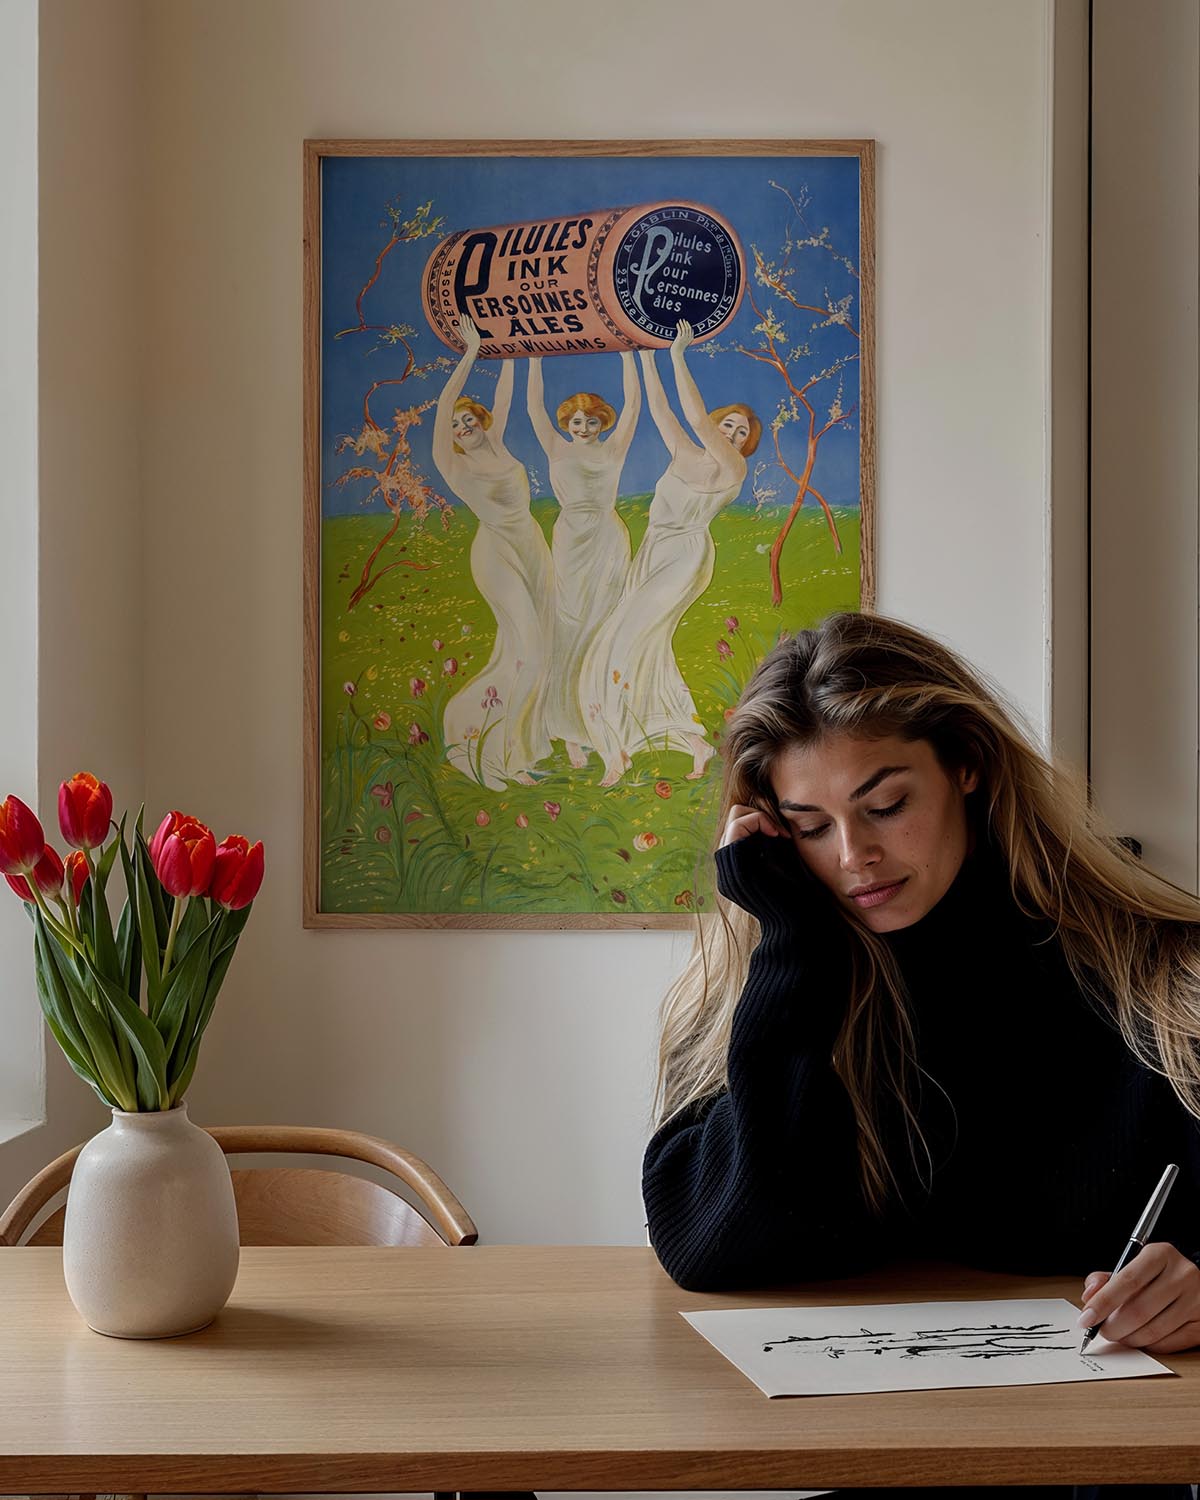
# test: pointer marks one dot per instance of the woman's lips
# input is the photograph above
(876, 895)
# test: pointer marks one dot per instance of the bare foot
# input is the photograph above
(612, 776)
(702, 753)
(575, 755)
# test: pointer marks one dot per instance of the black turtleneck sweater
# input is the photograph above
(1045, 1135)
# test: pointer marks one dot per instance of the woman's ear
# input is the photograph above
(968, 779)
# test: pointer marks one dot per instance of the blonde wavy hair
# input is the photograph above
(590, 405)
(1129, 936)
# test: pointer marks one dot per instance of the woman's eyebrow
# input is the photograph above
(856, 795)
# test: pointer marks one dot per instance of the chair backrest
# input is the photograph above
(292, 1205)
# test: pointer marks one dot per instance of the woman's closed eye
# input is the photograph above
(875, 812)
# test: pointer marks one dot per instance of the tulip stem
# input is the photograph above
(63, 934)
(176, 913)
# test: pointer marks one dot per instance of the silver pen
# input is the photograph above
(1142, 1231)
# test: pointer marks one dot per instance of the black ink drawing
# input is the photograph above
(986, 1341)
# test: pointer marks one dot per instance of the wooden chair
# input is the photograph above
(290, 1205)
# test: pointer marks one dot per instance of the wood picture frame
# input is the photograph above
(577, 794)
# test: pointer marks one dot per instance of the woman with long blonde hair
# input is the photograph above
(939, 1004)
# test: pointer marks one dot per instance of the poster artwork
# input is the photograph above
(580, 467)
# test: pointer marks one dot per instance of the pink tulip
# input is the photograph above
(483, 818)
(522, 821)
(450, 666)
(553, 809)
(417, 686)
(382, 721)
(731, 624)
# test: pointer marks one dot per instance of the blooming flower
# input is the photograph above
(382, 720)
(662, 789)
(416, 735)
(22, 841)
(183, 852)
(384, 791)
(437, 645)
(619, 897)
(724, 649)
(522, 821)
(491, 699)
(84, 811)
(349, 689)
(731, 624)
(483, 818)
(644, 841)
(450, 666)
(237, 872)
(417, 686)
(553, 809)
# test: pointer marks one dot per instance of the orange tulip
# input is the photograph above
(183, 852)
(47, 876)
(22, 841)
(84, 811)
(238, 872)
(77, 873)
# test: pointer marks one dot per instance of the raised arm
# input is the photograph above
(692, 401)
(631, 410)
(759, 1183)
(443, 436)
(535, 396)
(501, 403)
(660, 409)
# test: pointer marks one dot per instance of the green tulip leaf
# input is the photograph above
(158, 897)
(143, 1037)
(186, 986)
(91, 1023)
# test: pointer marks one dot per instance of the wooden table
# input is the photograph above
(522, 1367)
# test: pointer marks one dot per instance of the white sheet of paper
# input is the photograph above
(914, 1346)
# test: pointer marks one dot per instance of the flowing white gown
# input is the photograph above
(512, 568)
(632, 692)
(591, 560)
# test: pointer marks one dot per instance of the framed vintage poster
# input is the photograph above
(588, 426)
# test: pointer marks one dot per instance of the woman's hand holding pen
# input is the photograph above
(1152, 1303)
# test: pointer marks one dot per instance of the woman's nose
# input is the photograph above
(857, 848)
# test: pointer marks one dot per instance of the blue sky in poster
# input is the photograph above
(472, 192)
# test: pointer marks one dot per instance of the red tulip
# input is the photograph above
(77, 873)
(22, 841)
(238, 872)
(183, 852)
(47, 876)
(84, 811)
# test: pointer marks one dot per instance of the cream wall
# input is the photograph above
(84, 618)
(520, 1063)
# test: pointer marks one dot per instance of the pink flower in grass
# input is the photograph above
(417, 686)
(731, 624)
(491, 699)
(437, 645)
(522, 821)
(553, 809)
(724, 649)
(483, 818)
(382, 720)
(450, 666)
(416, 735)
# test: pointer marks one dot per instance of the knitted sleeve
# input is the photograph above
(760, 1182)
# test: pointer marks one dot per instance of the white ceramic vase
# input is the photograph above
(150, 1242)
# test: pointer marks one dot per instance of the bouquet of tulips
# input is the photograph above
(188, 899)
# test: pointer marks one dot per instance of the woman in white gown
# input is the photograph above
(590, 543)
(494, 727)
(632, 692)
